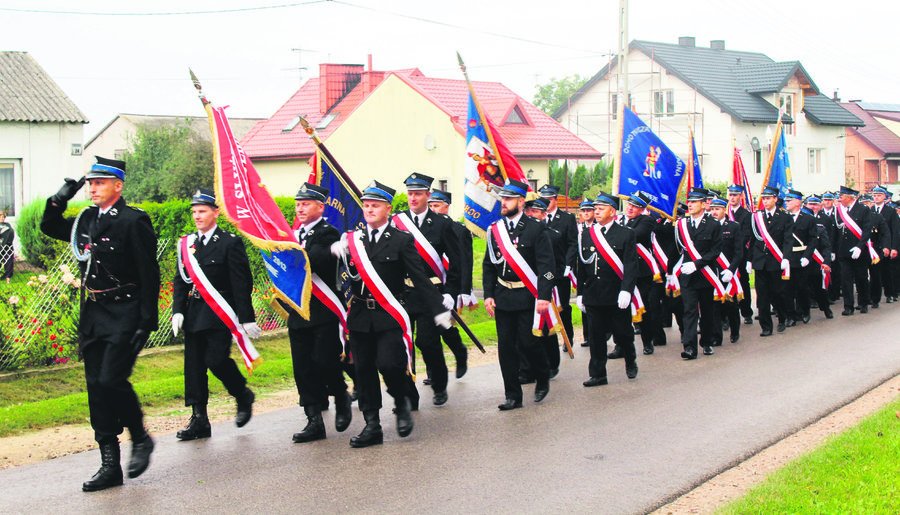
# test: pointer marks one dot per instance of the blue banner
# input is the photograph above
(697, 179)
(647, 164)
(287, 270)
(779, 174)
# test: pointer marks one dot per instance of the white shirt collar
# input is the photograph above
(553, 213)
(380, 229)
(515, 219)
(307, 227)
(605, 227)
(208, 233)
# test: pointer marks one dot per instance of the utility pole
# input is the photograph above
(623, 51)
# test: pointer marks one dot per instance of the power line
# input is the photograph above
(165, 13)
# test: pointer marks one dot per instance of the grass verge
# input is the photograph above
(854, 472)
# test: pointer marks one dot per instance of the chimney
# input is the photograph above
(717, 44)
(688, 41)
(335, 81)
(835, 97)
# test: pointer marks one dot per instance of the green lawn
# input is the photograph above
(857, 471)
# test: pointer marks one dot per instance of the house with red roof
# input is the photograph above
(387, 124)
(873, 151)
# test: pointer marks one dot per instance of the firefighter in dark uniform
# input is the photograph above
(316, 343)
(511, 303)
(376, 338)
(642, 224)
(438, 231)
(116, 248)
(817, 270)
(886, 245)
(733, 250)
(769, 283)
(829, 212)
(439, 202)
(853, 252)
(585, 221)
(207, 341)
(671, 304)
(740, 214)
(566, 225)
(605, 294)
(804, 242)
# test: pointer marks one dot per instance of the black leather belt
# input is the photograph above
(118, 294)
(369, 303)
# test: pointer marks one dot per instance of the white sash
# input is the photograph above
(855, 229)
(423, 246)
(612, 259)
(762, 233)
(688, 244)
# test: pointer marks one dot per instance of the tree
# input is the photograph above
(170, 161)
(580, 182)
(551, 96)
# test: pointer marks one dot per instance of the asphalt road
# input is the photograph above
(623, 448)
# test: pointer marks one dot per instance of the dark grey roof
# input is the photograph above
(733, 80)
(28, 94)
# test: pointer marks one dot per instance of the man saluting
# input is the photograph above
(116, 248)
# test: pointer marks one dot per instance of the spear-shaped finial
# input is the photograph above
(198, 87)
(309, 129)
(462, 65)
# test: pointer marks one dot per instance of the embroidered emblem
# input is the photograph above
(548, 276)
(113, 211)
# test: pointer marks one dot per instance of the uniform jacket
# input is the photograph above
(395, 259)
(888, 229)
(864, 218)
(466, 259)
(779, 228)
(742, 217)
(532, 240)
(803, 234)
(438, 230)
(827, 222)
(566, 224)
(559, 251)
(733, 245)
(598, 282)
(707, 238)
(642, 225)
(123, 255)
(317, 242)
(665, 236)
(224, 262)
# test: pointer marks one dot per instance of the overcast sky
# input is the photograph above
(109, 62)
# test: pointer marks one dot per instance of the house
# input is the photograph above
(41, 132)
(730, 98)
(873, 151)
(115, 138)
(387, 124)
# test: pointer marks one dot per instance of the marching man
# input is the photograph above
(772, 250)
(212, 304)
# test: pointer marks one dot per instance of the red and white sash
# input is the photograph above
(854, 228)
(759, 223)
(681, 231)
(651, 263)
(499, 236)
(327, 297)
(472, 301)
(380, 291)
(826, 275)
(423, 246)
(612, 259)
(733, 289)
(673, 288)
(215, 301)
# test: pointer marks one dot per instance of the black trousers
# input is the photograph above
(374, 352)
(834, 291)
(586, 325)
(605, 320)
(513, 336)
(769, 292)
(454, 342)
(728, 312)
(209, 349)
(428, 340)
(564, 287)
(880, 275)
(816, 291)
(111, 399)
(895, 276)
(650, 324)
(746, 304)
(316, 356)
(796, 293)
(855, 272)
(699, 311)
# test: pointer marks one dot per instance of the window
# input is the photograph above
(757, 159)
(516, 117)
(664, 102)
(442, 184)
(614, 105)
(816, 160)
(8, 188)
(533, 184)
(786, 101)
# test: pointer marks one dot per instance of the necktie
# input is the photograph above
(373, 236)
(549, 218)
(605, 229)
(416, 220)
(511, 226)
(302, 234)
(202, 240)
(768, 216)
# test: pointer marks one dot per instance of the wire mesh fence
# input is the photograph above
(39, 315)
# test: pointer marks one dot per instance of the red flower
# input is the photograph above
(52, 337)
(32, 331)
(49, 322)
(54, 345)
(21, 326)
(34, 320)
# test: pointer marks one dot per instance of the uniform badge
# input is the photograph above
(113, 211)
(593, 249)
(548, 276)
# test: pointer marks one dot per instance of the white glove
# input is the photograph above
(340, 247)
(177, 321)
(448, 301)
(443, 320)
(579, 302)
(567, 271)
(749, 267)
(624, 299)
(785, 264)
(855, 252)
(252, 330)
(727, 276)
(833, 257)
(804, 262)
(688, 268)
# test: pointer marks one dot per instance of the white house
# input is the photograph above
(41, 131)
(731, 98)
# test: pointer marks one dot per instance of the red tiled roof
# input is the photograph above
(874, 132)
(543, 137)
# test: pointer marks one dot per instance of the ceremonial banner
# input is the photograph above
(778, 169)
(645, 163)
(246, 202)
(739, 177)
(694, 176)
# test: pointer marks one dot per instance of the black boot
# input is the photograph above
(371, 434)
(244, 408)
(315, 427)
(343, 412)
(617, 353)
(197, 427)
(110, 473)
(141, 448)
(404, 417)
